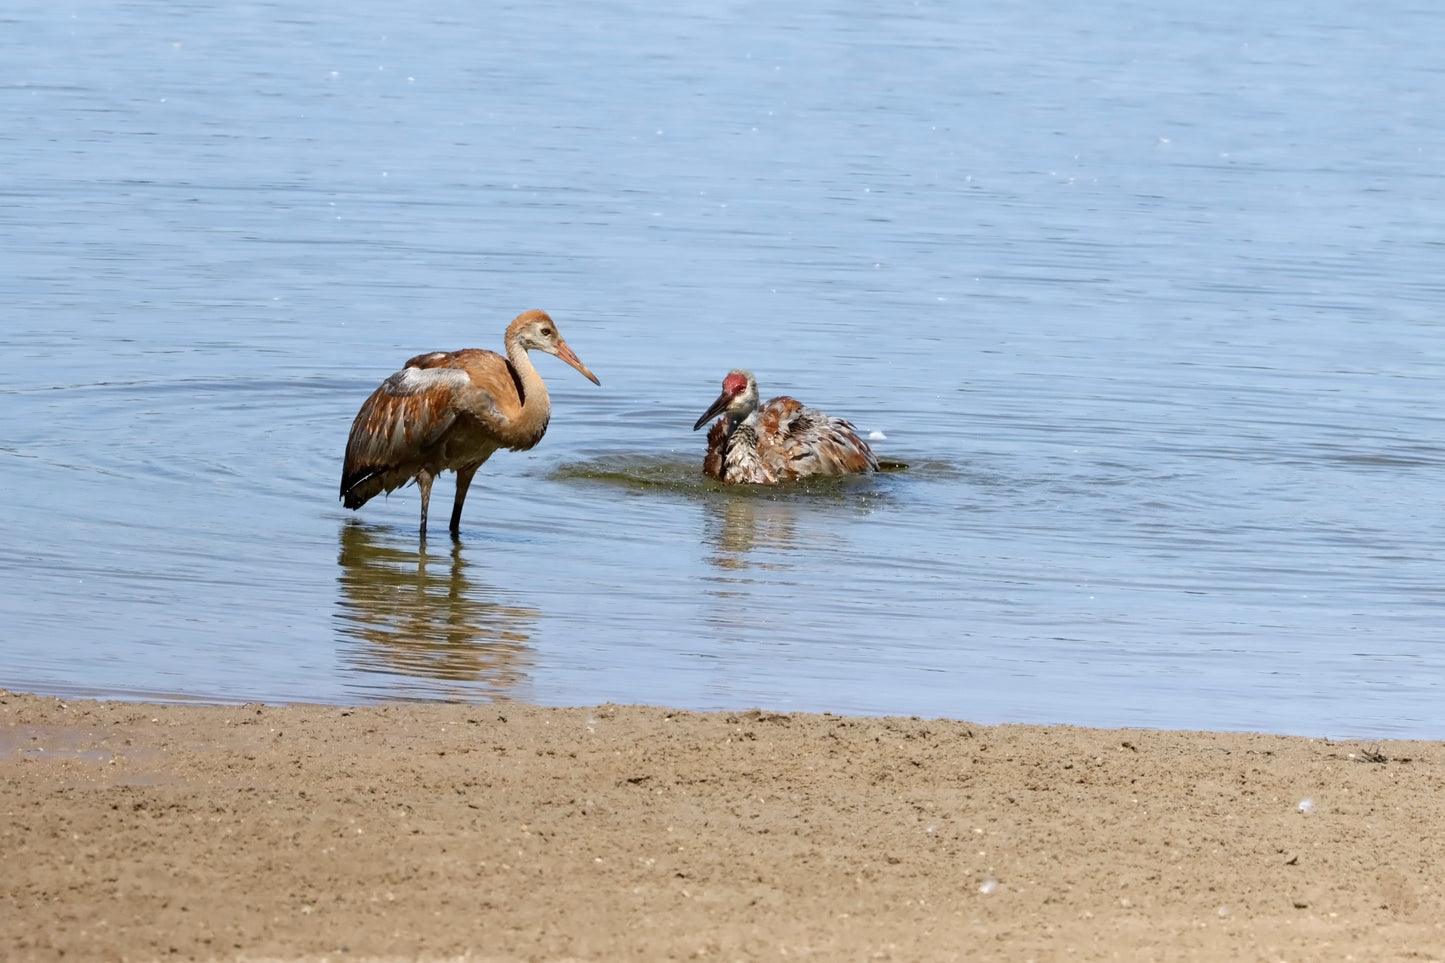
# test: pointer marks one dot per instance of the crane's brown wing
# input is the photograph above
(395, 429)
(795, 441)
(494, 400)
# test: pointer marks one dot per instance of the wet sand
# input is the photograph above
(512, 832)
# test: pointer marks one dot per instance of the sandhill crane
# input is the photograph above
(779, 441)
(451, 410)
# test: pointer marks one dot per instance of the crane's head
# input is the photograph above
(739, 397)
(535, 331)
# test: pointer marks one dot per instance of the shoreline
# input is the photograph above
(507, 831)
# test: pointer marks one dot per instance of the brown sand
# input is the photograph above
(511, 832)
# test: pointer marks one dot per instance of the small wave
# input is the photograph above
(685, 477)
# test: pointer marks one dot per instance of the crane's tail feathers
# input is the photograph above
(359, 487)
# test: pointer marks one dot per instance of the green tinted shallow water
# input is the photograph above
(1153, 315)
(685, 477)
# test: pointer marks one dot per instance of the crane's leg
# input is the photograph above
(464, 481)
(423, 482)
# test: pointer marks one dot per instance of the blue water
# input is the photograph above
(1147, 295)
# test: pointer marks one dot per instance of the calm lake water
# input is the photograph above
(1149, 296)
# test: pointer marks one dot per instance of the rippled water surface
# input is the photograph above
(1147, 296)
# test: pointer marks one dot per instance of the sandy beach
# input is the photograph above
(512, 832)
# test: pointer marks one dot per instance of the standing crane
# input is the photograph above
(451, 410)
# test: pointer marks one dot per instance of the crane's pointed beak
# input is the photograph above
(717, 408)
(565, 353)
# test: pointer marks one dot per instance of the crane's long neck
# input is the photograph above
(530, 422)
(745, 421)
(742, 461)
(743, 430)
(743, 415)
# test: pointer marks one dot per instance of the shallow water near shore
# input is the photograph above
(1146, 298)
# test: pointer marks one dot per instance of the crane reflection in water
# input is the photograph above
(762, 544)
(762, 528)
(736, 527)
(419, 618)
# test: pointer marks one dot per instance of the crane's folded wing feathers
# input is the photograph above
(796, 441)
(402, 419)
